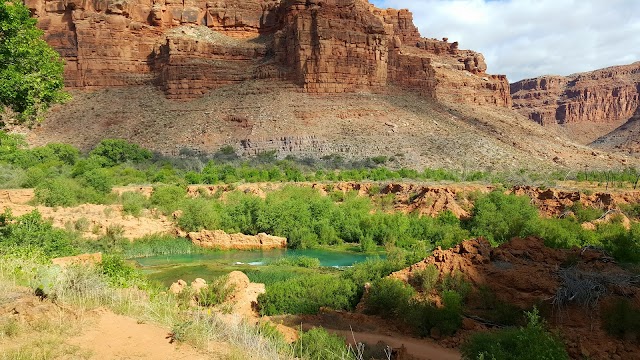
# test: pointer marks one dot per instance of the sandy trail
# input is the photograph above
(120, 337)
(418, 349)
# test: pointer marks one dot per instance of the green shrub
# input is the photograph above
(269, 275)
(34, 176)
(456, 282)
(30, 69)
(58, 192)
(119, 273)
(98, 179)
(216, 292)
(424, 316)
(318, 344)
(500, 217)
(389, 298)
(299, 261)
(133, 202)
(498, 311)
(118, 151)
(12, 177)
(31, 232)
(585, 213)
(306, 295)
(167, 197)
(66, 192)
(370, 270)
(160, 244)
(82, 224)
(620, 317)
(532, 342)
(199, 214)
(426, 278)
(623, 245)
(631, 210)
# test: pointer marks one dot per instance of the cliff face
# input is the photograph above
(606, 97)
(188, 47)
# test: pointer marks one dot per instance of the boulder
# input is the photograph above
(178, 286)
(84, 259)
(218, 239)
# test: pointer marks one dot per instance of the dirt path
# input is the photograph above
(418, 349)
(120, 337)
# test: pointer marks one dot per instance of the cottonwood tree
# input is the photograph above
(30, 70)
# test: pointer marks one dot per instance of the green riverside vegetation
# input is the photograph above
(63, 176)
(31, 71)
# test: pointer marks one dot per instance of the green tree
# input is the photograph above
(30, 70)
(118, 151)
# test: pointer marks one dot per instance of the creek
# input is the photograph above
(169, 268)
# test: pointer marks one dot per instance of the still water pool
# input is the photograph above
(169, 268)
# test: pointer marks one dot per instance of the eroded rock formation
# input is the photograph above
(606, 96)
(219, 239)
(525, 273)
(188, 47)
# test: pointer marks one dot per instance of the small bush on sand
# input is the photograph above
(532, 342)
(318, 344)
(217, 291)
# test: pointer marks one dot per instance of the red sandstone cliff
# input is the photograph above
(188, 47)
(601, 99)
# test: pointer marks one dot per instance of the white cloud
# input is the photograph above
(528, 38)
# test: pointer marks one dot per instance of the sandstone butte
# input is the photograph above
(219, 239)
(590, 104)
(188, 47)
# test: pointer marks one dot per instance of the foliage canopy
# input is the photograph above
(30, 70)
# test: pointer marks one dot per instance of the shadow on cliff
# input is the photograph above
(629, 132)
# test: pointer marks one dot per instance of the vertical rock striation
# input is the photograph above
(607, 96)
(188, 47)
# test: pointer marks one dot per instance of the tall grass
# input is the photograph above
(87, 288)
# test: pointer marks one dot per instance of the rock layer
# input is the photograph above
(219, 239)
(606, 96)
(190, 47)
(525, 273)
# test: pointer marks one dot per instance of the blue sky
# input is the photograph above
(528, 38)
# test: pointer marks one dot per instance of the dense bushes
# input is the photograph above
(29, 233)
(621, 317)
(117, 151)
(532, 342)
(396, 300)
(305, 295)
(500, 217)
(389, 298)
(216, 292)
(118, 273)
(318, 344)
(308, 219)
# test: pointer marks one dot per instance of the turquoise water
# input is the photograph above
(169, 268)
(256, 258)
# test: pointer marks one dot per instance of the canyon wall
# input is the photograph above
(607, 97)
(188, 47)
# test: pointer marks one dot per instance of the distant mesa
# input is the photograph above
(588, 105)
(189, 47)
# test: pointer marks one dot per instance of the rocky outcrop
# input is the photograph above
(606, 96)
(190, 47)
(525, 273)
(219, 239)
(83, 259)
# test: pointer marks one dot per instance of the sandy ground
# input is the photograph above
(96, 219)
(120, 337)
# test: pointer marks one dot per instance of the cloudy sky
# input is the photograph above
(528, 38)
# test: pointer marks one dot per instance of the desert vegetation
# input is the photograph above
(426, 305)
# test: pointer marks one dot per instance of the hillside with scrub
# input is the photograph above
(130, 208)
(286, 179)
